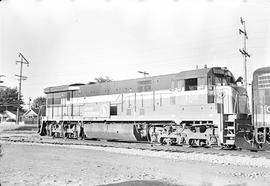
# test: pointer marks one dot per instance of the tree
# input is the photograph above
(103, 79)
(38, 102)
(9, 99)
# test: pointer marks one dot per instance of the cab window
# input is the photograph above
(222, 81)
(191, 84)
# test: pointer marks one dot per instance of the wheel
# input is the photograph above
(161, 141)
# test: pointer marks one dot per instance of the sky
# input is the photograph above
(74, 41)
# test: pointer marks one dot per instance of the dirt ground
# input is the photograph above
(44, 164)
(31, 164)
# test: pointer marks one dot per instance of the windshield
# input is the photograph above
(223, 80)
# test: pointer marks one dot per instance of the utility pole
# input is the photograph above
(243, 50)
(30, 103)
(21, 77)
(144, 73)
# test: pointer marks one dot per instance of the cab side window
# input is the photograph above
(191, 84)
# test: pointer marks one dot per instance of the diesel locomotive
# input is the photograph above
(197, 107)
(254, 133)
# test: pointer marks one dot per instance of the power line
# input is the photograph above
(22, 61)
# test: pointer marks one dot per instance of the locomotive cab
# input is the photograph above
(232, 104)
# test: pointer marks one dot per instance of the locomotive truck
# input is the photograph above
(196, 107)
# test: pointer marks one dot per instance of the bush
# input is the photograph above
(11, 120)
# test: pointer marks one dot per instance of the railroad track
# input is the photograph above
(35, 138)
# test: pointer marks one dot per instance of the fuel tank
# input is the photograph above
(116, 131)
